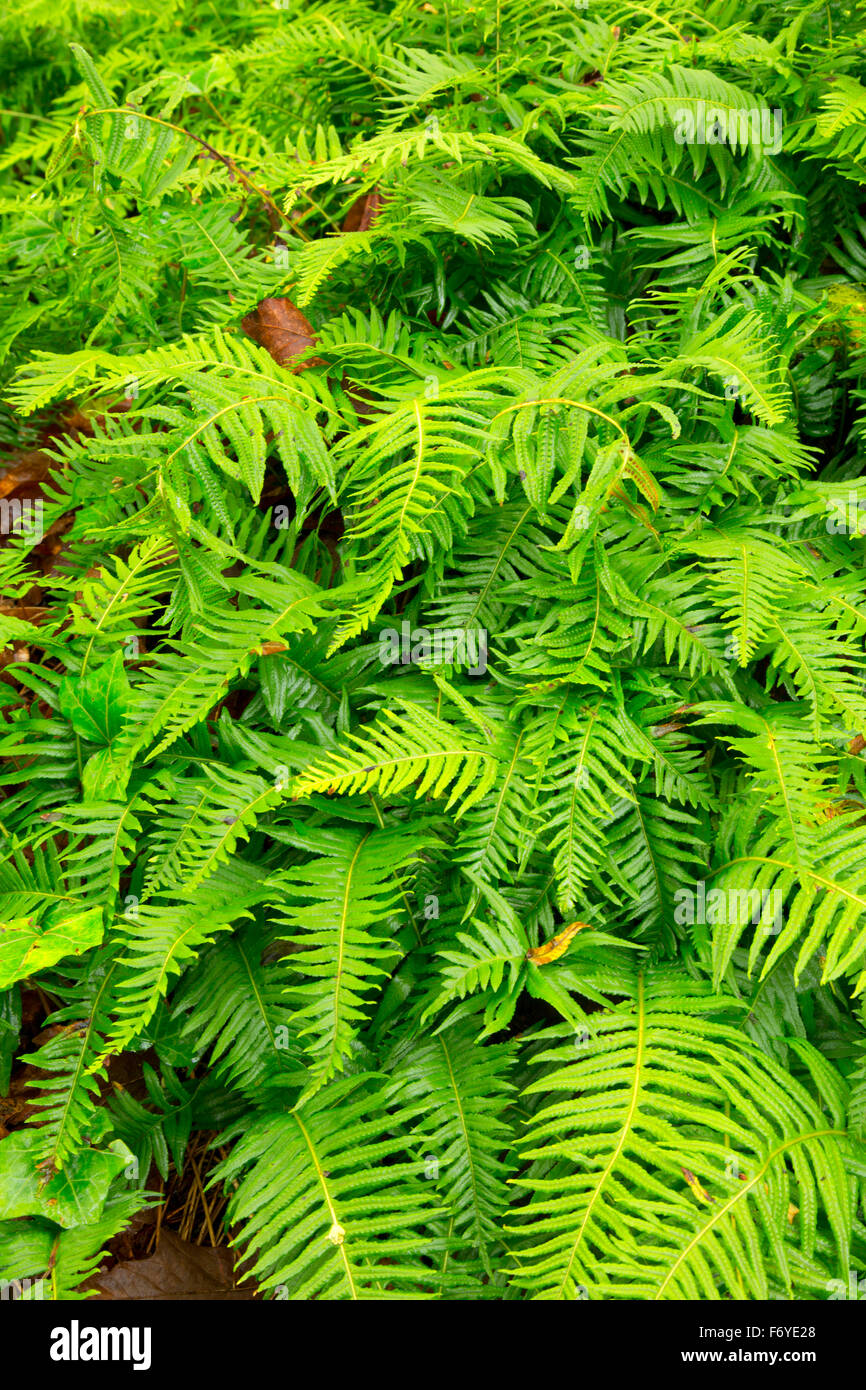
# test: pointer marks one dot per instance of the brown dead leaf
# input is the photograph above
(829, 810)
(363, 401)
(271, 648)
(28, 613)
(178, 1271)
(281, 328)
(19, 1107)
(857, 744)
(14, 1112)
(556, 946)
(25, 470)
(25, 474)
(363, 212)
(697, 1188)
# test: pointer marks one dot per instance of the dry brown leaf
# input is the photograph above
(25, 470)
(271, 648)
(178, 1271)
(556, 946)
(697, 1188)
(281, 328)
(28, 613)
(363, 401)
(363, 212)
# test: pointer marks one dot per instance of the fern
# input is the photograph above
(666, 1175)
(333, 1222)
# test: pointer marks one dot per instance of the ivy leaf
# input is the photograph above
(96, 704)
(104, 778)
(74, 1197)
(25, 949)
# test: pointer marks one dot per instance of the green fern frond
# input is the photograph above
(322, 1211)
(413, 749)
(661, 1162)
(341, 910)
(454, 1094)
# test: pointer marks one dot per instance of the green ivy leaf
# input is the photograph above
(74, 1197)
(25, 949)
(104, 778)
(97, 703)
